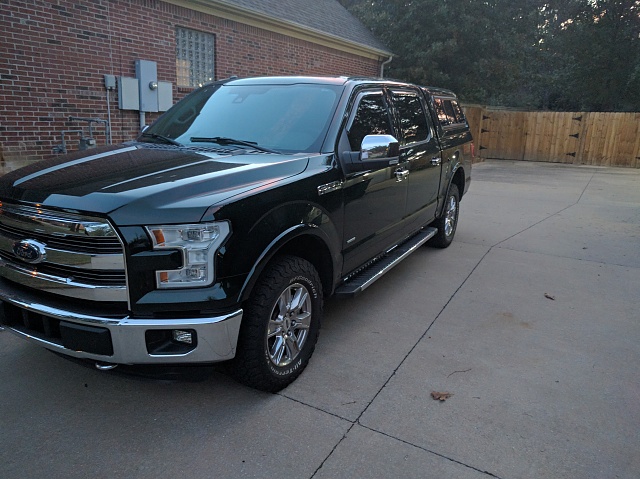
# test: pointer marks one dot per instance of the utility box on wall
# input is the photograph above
(165, 95)
(128, 95)
(147, 74)
(145, 93)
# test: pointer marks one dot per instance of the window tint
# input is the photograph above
(443, 117)
(371, 118)
(413, 122)
(457, 110)
(288, 118)
(448, 111)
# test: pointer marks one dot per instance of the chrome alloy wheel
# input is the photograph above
(451, 214)
(289, 325)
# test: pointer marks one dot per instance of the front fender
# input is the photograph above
(297, 234)
(301, 227)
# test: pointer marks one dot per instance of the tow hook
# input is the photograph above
(105, 366)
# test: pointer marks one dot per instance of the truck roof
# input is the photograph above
(330, 80)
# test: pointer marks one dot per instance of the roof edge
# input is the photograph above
(254, 18)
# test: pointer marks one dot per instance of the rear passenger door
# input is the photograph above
(419, 154)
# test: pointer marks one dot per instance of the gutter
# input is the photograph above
(383, 65)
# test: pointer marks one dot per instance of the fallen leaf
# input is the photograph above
(440, 396)
(548, 296)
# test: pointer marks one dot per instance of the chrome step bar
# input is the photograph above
(361, 281)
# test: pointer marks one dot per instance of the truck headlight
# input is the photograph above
(198, 243)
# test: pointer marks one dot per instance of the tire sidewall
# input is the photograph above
(453, 193)
(293, 369)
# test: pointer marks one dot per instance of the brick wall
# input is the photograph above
(54, 54)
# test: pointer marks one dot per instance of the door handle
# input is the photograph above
(401, 174)
(436, 160)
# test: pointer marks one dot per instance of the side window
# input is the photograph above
(444, 118)
(449, 111)
(457, 109)
(411, 116)
(371, 118)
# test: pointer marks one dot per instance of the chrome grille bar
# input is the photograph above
(34, 219)
(82, 256)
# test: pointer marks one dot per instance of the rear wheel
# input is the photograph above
(280, 325)
(448, 222)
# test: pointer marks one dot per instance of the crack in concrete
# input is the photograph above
(404, 359)
(394, 372)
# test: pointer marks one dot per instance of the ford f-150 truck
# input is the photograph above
(217, 234)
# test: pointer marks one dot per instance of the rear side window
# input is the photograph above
(371, 118)
(411, 117)
(449, 111)
(457, 109)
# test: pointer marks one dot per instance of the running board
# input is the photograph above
(362, 280)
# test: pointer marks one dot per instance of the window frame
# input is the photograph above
(425, 111)
(354, 111)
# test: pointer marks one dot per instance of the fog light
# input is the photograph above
(180, 336)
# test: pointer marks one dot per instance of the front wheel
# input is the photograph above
(448, 222)
(280, 325)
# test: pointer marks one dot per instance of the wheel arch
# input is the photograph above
(458, 179)
(304, 241)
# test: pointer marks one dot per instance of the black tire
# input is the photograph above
(448, 222)
(277, 336)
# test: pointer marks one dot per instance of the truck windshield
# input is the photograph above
(285, 118)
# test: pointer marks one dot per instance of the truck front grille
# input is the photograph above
(62, 253)
(90, 245)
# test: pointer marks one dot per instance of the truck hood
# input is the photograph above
(147, 183)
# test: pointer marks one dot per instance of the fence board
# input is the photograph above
(593, 138)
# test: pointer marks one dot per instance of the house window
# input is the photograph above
(195, 55)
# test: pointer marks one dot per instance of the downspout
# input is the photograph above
(382, 66)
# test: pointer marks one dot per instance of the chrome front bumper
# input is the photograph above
(217, 336)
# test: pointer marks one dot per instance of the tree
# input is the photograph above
(562, 54)
(598, 43)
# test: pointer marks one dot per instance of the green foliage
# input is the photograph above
(558, 54)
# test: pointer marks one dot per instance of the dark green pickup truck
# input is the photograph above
(219, 232)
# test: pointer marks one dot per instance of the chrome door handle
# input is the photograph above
(436, 160)
(401, 174)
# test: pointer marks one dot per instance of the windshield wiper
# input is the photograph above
(166, 139)
(221, 140)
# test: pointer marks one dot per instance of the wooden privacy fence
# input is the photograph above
(582, 138)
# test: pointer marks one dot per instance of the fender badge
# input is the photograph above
(329, 187)
(30, 251)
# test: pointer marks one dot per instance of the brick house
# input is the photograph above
(55, 54)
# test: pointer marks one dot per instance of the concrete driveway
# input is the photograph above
(531, 320)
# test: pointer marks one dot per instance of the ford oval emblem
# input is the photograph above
(30, 251)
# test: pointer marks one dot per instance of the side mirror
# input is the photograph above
(376, 152)
(374, 147)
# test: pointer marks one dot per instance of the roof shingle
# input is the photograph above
(326, 16)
